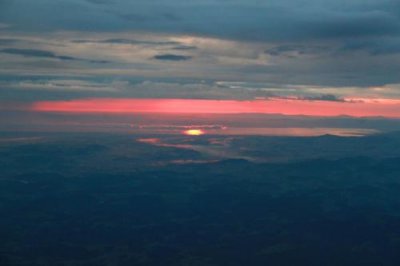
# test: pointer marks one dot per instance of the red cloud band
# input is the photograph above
(359, 108)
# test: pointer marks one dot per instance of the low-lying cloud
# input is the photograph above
(172, 57)
(47, 54)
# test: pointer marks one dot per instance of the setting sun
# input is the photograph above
(194, 132)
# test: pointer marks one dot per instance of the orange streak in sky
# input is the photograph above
(359, 108)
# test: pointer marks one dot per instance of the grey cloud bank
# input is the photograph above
(242, 20)
(339, 47)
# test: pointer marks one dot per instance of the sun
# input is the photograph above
(194, 132)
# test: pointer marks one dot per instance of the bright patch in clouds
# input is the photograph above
(194, 132)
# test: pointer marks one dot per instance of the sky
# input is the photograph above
(305, 58)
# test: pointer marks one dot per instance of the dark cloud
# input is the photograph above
(184, 47)
(244, 20)
(96, 61)
(353, 25)
(324, 97)
(172, 57)
(144, 42)
(34, 53)
(8, 41)
(383, 46)
(296, 48)
(46, 54)
(132, 42)
(174, 45)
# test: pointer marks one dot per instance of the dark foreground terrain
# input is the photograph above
(112, 200)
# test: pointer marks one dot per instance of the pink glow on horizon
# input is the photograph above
(350, 107)
(149, 140)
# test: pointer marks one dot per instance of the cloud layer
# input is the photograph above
(308, 49)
